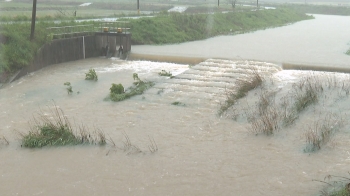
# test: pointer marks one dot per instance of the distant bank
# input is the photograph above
(321, 42)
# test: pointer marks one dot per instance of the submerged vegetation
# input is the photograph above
(242, 88)
(69, 88)
(178, 103)
(56, 130)
(117, 89)
(129, 148)
(117, 92)
(165, 73)
(321, 131)
(270, 114)
(306, 92)
(91, 75)
(336, 185)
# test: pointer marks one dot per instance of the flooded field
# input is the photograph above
(199, 151)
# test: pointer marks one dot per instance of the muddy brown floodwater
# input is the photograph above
(199, 152)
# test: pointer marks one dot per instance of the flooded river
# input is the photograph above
(199, 152)
(322, 41)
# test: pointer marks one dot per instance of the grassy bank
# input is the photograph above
(177, 28)
(16, 50)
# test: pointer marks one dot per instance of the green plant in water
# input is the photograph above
(165, 73)
(307, 92)
(55, 130)
(117, 89)
(119, 94)
(321, 132)
(91, 75)
(69, 87)
(338, 187)
(305, 99)
(50, 135)
(135, 76)
(243, 87)
(178, 103)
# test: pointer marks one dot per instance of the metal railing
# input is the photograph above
(79, 30)
(117, 26)
(70, 31)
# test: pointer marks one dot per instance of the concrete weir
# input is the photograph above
(165, 58)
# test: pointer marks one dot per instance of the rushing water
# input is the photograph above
(199, 152)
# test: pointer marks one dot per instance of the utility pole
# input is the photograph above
(218, 3)
(138, 7)
(33, 21)
(257, 4)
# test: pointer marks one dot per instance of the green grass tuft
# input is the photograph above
(342, 192)
(91, 75)
(55, 130)
(322, 131)
(69, 87)
(117, 91)
(178, 103)
(50, 135)
(165, 73)
(243, 87)
(340, 186)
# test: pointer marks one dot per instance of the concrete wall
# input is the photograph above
(113, 40)
(72, 49)
(60, 51)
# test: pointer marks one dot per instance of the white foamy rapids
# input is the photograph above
(85, 4)
(285, 77)
(145, 67)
